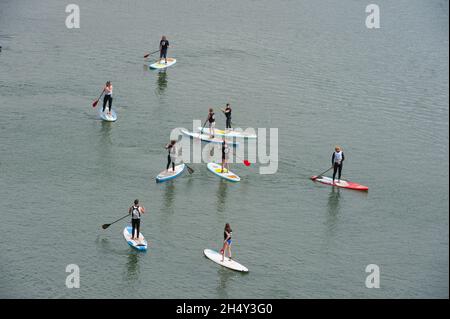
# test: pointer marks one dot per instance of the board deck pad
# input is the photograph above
(217, 258)
(230, 134)
(165, 176)
(342, 183)
(139, 245)
(107, 117)
(163, 65)
(208, 139)
(227, 174)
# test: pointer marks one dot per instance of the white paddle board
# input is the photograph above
(227, 133)
(163, 65)
(170, 174)
(217, 258)
(107, 117)
(227, 174)
(139, 245)
(208, 139)
(344, 184)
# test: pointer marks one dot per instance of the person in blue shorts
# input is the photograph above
(226, 242)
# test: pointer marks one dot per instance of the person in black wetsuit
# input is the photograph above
(225, 151)
(135, 211)
(227, 112)
(337, 160)
(163, 46)
(227, 232)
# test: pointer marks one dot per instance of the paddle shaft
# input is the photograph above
(145, 56)
(96, 101)
(116, 221)
(323, 172)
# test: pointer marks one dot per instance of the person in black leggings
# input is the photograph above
(108, 89)
(135, 211)
(227, 113)
(337, 160)
(171, 156)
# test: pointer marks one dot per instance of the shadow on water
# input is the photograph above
(333, 208)
(222, 195)
(161, 82)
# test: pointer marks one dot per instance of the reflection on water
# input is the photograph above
(224, 276)
(105, 133)
(222, 195)
(132, 270)
(333, 209)
(169, 196)
(161, 81)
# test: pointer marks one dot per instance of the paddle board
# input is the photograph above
(342, 183)
(163, 65)
(229, 134)
(139, 245)
(107, 117)
(227, 174)
(165, 176)
(208, 139)
(217, 258)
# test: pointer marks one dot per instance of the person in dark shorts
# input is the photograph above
(211, 119)
(136, 211)
(337, 160)
(163, 46)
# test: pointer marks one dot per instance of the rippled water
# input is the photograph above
(311, 69)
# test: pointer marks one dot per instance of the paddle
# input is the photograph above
(203, 127)
(104, 226)
(190, 170)
(313, 178)
(147, 55)
(96, 101)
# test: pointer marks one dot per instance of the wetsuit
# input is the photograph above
(228, 116)
(164, 45)
(107, 99)
(135, 220)
(224, 151)
(171, 155)
(337, 160)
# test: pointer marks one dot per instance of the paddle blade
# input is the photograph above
(246, 163)
(190, 170)
(104, 226)
(314, 177)
(146, 56)
(95, 103)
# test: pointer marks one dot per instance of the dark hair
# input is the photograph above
(136, 201)
(173, 142)
(108, 83)
(227, 228)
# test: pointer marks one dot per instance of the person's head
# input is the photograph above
(163, 37)
(173, 142)
(136, 201)
(108, 83)
(337, 148)
(227, 227)
(228, 105)
(211, 110)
